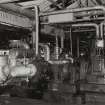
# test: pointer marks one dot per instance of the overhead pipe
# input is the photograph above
(73, 10)
(66, 11)
(89, 25)
(30, 14)
(92, 30)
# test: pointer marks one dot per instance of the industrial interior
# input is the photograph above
(52, 52)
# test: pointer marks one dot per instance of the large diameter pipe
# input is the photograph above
(74, 10)
(88, 25)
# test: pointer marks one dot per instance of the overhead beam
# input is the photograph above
(14, 20)
(17, 9)
(7, 1)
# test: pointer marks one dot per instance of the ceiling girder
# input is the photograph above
(16, 9)
(99, 2)
(55, 4)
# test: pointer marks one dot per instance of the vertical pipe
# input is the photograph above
(102, 29)
(78, 46)
(57, 48)
(33, 37)
(36, 29)
(62, 42)
(70, 41)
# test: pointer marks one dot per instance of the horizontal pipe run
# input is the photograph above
(90, 30)
(89, 14)
(78, 20)
(73, 10)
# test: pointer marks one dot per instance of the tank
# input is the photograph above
(23, 71)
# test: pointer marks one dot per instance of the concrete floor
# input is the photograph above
(25, 101)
